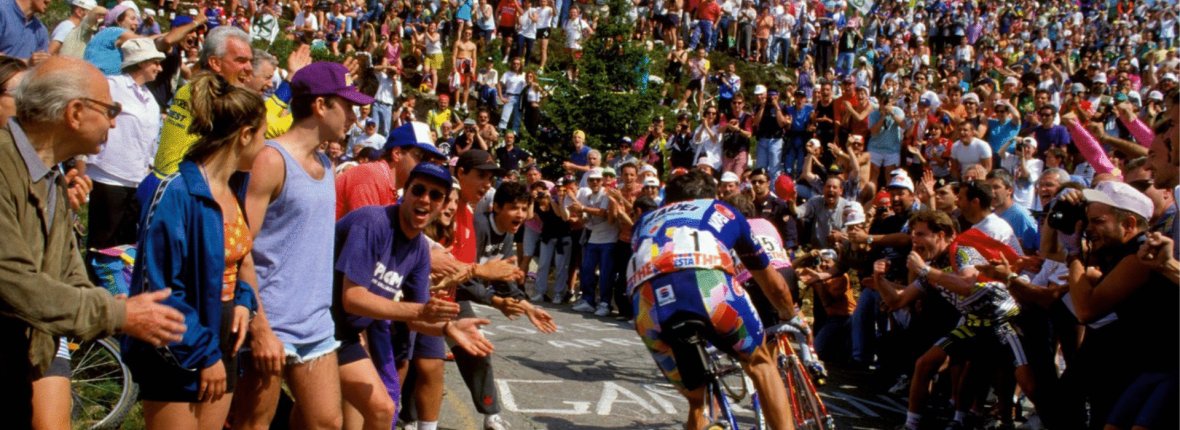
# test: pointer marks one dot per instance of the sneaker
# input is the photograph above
(494, 422)
(537, 298)
(557, 300)
(603, 309)
(583, 307)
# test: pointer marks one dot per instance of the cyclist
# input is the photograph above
(684, 266)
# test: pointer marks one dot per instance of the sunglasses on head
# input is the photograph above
(111, 110)
(418, 190)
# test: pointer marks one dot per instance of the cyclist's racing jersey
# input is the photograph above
(696, 234)
(765, 234)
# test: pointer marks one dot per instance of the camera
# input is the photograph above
(1064, 216)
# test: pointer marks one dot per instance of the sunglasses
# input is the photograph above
(418, 190)
(111, 110)
(758, 181)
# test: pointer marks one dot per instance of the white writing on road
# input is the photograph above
(658, 399)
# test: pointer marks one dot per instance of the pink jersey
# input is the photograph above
(765, 233)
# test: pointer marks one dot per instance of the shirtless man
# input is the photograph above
(463, 58)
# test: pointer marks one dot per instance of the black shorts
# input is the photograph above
(672, 20)
(695, 84)
(543, 33)
(506, 32)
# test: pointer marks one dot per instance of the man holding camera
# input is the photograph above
(1106, 276)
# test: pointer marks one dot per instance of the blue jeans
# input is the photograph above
(708, 36)
(832, 341)
(844, 63)
(864, 326)
(382, 114)
(793, 150)
(769, 155)
(510, 113)
(597, 255)
(780, 48)
(554, 253)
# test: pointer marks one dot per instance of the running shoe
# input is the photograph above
(494, 422)
(583, 306)
(603, 309)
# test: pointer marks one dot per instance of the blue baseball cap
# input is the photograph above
(412, 134)
(432, 171)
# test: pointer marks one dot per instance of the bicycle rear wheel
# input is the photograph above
(814, 414)
(101, 385)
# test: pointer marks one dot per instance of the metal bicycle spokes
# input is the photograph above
(101, 386)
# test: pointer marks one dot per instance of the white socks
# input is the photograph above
(427, 425)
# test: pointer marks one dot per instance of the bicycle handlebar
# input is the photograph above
(783, 328)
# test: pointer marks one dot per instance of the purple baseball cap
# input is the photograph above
(326, 79)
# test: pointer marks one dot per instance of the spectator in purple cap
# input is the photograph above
(292, 199)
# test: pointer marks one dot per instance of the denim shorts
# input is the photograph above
(300, 353)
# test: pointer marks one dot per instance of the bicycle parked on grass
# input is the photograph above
(101, 386)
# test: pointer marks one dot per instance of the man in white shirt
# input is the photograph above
(511, 87)
(1025, 169)
(975, 204)
(969, 151)
(78, 10)
(387, 90)
(594, 207)
(370, 138)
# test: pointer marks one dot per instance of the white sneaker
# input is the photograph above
(603, 309)
(537, 298)
(413, 425)
(494, 422)
(582, 306)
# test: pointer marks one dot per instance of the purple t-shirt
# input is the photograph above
(372, 251)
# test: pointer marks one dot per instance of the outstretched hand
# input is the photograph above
(465, 332)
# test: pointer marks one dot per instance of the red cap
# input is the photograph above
(784, 187)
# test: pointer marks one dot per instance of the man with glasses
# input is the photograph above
(593, 206)
(382, 274)
(779, 212)
(47, 293)
(1046, 133)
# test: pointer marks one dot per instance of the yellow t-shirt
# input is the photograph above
(174, 137)
(278, 118)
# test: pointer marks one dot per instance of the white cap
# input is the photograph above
(706, 160)
(971, 97)
(1011, 80)
(647, 168)
(138, 50)
(854, 214)
(729, 177)
(1099, 78)
(84, 4)
(1120, 196)
(651, 181)
(813, 143)
(1169, 77)
(130, 4)
(901, 181)
(149, 12)
(759, 89)
(1155, 95)
(595, 173)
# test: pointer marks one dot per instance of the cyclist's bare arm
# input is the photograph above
(775, 288)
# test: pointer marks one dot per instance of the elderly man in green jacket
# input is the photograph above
(64, 109)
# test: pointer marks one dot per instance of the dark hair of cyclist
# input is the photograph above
(689, 186)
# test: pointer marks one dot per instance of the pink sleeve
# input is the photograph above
(1143, 135)
(1089, 148)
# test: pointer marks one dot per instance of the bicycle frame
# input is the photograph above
(807, 409)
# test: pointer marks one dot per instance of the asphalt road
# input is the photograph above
(595, 373)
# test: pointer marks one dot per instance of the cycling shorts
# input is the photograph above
(975, 339)
(709, 295)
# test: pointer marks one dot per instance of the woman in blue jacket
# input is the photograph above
(194, 239)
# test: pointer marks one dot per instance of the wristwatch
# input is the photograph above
(1011, 276)
(869, 241)
(922, 273)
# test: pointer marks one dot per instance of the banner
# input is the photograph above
(864, 6)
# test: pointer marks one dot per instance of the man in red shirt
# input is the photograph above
(707, 15)
(507, 12)
(377, 183)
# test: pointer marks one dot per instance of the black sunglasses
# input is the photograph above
(112, 110)
(418, 190)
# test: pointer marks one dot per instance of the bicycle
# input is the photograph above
(700, 362)
(807, 408)
(100, 387)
